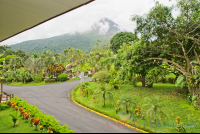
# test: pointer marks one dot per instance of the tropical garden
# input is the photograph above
(149, 79)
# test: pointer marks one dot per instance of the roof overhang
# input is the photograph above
(17, 16)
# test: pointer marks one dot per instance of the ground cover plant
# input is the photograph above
(34, 117)
(21, 125)
(174, 105)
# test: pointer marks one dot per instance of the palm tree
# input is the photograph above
(154, 108)
(33, 65)
(49, 61)
(127, 101)
(25, 75)
(105, 92)
(85, 88)
(15, 117)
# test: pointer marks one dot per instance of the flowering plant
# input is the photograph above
(32, 119)
(138, 111)
(22, 112)
(26, 116)
(36, 122)
(16, 108)
(20, 109)
(41, 128)
(50, 130)
(113, 83)
(9, 103)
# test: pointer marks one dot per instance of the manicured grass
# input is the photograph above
(73, 79)
(37, 84)
(22, 126)
(175, 104)
(31, 83)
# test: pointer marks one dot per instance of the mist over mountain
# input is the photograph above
(102, 30)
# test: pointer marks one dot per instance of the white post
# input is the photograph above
(115, 57)
(82, 76)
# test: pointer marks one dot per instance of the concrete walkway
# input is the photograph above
(53, 99)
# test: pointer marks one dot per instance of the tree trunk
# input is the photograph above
(143, 81)
(150, 86)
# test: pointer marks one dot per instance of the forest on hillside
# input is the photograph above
(83, 41)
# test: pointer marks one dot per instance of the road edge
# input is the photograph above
(107, 116)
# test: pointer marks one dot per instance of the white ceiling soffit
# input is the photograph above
(17, 16)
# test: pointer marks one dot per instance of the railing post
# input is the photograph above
(10, 96)
(6, 97)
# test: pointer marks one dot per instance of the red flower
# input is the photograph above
(117, 85)
(115, 81)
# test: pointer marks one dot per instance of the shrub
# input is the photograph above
(45, 120)
(126, 81)
(171, 80)
(102, 76)
(9, 80)
(163, 80)
(3, 106)
(63, 77)
(138, 78)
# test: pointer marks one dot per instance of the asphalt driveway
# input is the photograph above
(53, 99)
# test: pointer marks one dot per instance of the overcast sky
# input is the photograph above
(81, 19)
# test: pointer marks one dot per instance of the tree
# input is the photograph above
(120, 38)
(127, 101)
(15, 117)
(174, 41)
(49, 61)
(25, 75)
(154, 108)
(2, 60)
(58, 69)
(33, 65)
(104, 92)
(130, 58)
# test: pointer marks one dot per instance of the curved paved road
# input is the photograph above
(53, 100)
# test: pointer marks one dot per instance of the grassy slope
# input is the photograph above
(6, 124)
(173, 101)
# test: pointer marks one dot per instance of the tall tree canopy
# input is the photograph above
(120, 38)
(173, 40)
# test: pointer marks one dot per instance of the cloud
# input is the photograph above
(82, 19)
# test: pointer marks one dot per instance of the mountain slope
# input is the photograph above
(102, 30)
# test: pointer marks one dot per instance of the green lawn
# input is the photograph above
(37, 84)
(175, 104)
(22, 126)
